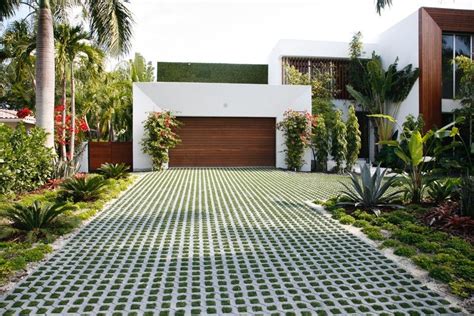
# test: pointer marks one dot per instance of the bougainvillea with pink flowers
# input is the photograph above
(296, 127)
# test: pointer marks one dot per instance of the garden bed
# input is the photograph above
(442, 257)
(20, 251)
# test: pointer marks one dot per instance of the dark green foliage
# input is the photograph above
(353, 138)
(218, 73)
(467, 196)
(320, 143)
(441, 190)
(441, 272)
(83, 188)
(399, 216)
(405, 251)
(339, 141)
(347, 219)
(25, 163)
(114, 171)
(423, 261)
(409, 237)
(368, 190)
(35, 216)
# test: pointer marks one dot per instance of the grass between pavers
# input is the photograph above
(18, 249)
(448, 259)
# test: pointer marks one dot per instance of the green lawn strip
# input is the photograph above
(17, 253)
(448, 259)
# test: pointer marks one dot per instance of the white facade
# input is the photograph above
(216, 100)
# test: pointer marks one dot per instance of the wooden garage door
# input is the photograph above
(225, 141)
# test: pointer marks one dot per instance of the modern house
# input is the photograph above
(230, 111)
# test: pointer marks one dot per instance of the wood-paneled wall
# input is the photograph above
(111, 152)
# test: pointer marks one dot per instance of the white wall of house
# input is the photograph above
(401, 40)
(301, 48)
(216, 100)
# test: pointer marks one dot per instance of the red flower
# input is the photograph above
(59, 108)
(23, 113)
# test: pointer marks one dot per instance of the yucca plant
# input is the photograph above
(114, 171)
(370, 191)
(83, 188)
(36, 216)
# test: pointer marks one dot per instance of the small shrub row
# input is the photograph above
(447, 258)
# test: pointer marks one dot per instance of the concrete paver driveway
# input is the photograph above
(205, 241)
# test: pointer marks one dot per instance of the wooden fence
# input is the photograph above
(112, 152)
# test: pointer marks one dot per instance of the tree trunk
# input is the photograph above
(63, 118)
(73, 114)
(45, 72)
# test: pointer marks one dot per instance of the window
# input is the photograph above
(454, 45)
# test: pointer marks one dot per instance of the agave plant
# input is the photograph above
(36, 216)
(369, 191)
(114, 171)
(83, 188)
(441, 190)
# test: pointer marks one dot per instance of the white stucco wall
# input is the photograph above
(301, 48)
(216, 100)
(401, 40)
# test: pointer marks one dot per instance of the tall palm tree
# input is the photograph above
(381, 4)
(73, 46)
(110, 22)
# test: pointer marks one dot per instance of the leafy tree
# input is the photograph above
(140, 70)
(384, 91)
(338, 141)
(353, 138)
(110, 23)
(320, 143)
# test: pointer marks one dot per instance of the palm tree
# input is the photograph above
(110, 22)
(73, 47)
(381, 4)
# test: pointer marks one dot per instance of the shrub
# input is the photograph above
(441, 272)
(25, 163)
(35, 216)
(114, 171)
(405, 251)
(428, 246)
(462, 288)
(347, 220)
(353, 138)
(423, 261)
(296, 128)
(373, 232)
(397, 217)
(370, 191)
(409, 237)
(467, 196)
(83, 188)
(361, 223)
(390, 243)
(160, 137)
(441, 190)
(320, 142)
(338, 141)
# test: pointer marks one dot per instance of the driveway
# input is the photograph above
(204, 241)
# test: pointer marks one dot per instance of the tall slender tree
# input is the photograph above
(110, 22)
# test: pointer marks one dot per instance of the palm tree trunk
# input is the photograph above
(73, 114)
(63, 119)
(45, 72)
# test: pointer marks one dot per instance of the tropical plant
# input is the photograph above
(441, 190)
(467, 196)
(63, 169)
(110, 22)
(160, 136)
(352, 138)
(339, 141)
(140, 70)
(382, 4)
(25, 163)
(414, 158)
(370, 191)
(320, 143)
(296, 127)
(88, 188)
(383, 91)
(114, 171)
(36, 216)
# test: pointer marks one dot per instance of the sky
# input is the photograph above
(245, 31)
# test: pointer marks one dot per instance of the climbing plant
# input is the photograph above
(160, 136)
(353, 138)
(296, 127)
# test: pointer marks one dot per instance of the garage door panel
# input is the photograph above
(221, 141)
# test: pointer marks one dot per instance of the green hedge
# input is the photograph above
(218, 73)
